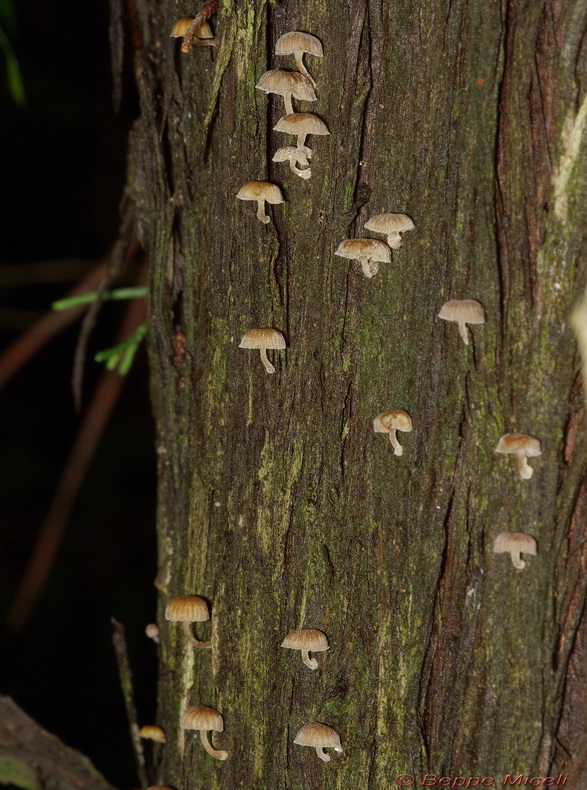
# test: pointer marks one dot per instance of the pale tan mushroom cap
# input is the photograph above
(393, 420)
(290, 153)
(263, 338)
(152, 733)
(389, 223)
(187, 609)
(287, 82)
(293, 42)
(301, 123)
(260, 190)
(468, 311)
(514, 541)
(363, 250)
(202, 718)
(519, 443)
(308, 639)
(318, 735)
(180, 28)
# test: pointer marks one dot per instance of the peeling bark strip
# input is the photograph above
(277, 502)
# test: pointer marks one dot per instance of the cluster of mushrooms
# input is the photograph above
(189, 609)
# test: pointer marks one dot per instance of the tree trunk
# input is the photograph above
(277, 501)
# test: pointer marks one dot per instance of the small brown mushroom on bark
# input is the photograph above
(292, 155)
(287, 84)
(151, 732)
(515, 543)
(369, 252)
(263, 339)
(187, 609)
(261, 191)
(296, 43)
(320, 737)
(204, 37)
(205, 720)
(390, 225)
(307, 640)
(390, 422)
(463, 312)
(301, 124)
(522, 446)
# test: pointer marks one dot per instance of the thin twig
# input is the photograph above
(51, 533)
(208, 10)
(125, 673)
(122, 252)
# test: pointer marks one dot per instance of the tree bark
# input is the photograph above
(277, 501)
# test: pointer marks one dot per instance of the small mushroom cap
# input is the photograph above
(287, 82)
(389, 223)
(159, 787)
(393, 420)
(202, 718)
(263, 338)
(290, 153)
(260, 190)
(318, 735)
(514, 541)
(519, 443)
(152, 733)
(363, 250)
(180, 28)
(293, 42)
(468, 311)
(308, 639)
(187, 609)
(301, 123)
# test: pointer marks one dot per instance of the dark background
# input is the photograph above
(62, 173)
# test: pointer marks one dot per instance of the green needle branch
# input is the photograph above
(119, 294)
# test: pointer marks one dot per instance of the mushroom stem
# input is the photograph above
(219, 754)
(301, 67)
(394, 240)
(309, 662)
(517, 560)
(463, 332)
(301, 173)
(397, 448)
(524, 469)
(322, 754)
(289, 110)
(261, 212)
(370, 268)
(190, 638)
(268, 366)
(301, 144)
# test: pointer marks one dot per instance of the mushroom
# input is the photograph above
(306, 641)
(152, 733)
(186, 609)
(514, 543)
(390, 225)
(390, 422)
(296, 43)
(159, 787)
(261, 191)
(263, 339)
(152, 631)
(292, 155)
(301, 124)
(522, 446)
(205, 37)
(287, 84)
(320, 737)
(205, 720)
(463, 311)
(369, 251)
